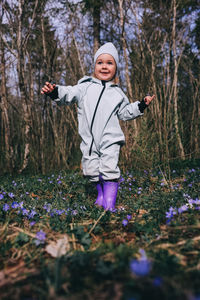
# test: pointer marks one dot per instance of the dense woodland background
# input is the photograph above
(158, 42)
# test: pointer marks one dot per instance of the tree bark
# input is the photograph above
(96, 14)
(175, 84)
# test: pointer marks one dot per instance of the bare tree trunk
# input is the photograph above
(130, 141)
(42, 132)
(96, 25)
(5, 134)
(175, 84)
(22, 87)
(79, 55)
(194, 126)
(123, 39)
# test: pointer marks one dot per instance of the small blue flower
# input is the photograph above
(11, 195)
(182, 209)
(74, 212)
(142, 266)
(125, 222)
(41, 236)
(21, 204)
(129, 217)
(59, 211)
(32, 214)
(47, 207)
(15, 205)
(32, 223)
(6, 207)
(121, 180)
(1, 196)
(24, 212)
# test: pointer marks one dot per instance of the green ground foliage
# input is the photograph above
(55, 244)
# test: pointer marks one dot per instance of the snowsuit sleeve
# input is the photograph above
(68, 94)
(128, 111)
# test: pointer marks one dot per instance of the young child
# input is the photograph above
(101, 103)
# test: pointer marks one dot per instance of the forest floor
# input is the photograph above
(55, 244)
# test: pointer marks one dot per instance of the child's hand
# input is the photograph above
(148, 99)
(48, 88)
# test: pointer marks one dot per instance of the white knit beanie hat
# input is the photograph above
(107, 48)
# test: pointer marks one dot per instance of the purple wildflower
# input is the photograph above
(47, 207)
(182, 209)
(59, 211)
(169, 214)
(1, 196)
(142, 266)
(40, 237)
(15, 204)
(21, 204)
(6, 207)
(11, 195)
(32, 223)
(129, 217)
(24, 212)
(191, 171)
(121, 180)
(74, 212)
(125, 222)
(197, 201)
(32, 214)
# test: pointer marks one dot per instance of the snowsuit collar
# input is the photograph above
(95, 80)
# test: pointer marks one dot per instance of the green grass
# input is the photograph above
(97, 251)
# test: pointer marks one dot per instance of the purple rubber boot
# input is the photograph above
(99, 186)
(110, 189)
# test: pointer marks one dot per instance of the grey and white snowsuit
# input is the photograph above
(100, 106)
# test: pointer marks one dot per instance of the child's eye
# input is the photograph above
(99, 62)
(110, 63)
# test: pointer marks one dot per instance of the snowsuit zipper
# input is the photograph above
(104, 86)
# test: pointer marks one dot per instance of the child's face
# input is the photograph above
(105, 67)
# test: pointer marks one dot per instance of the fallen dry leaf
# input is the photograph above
(58, 248)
